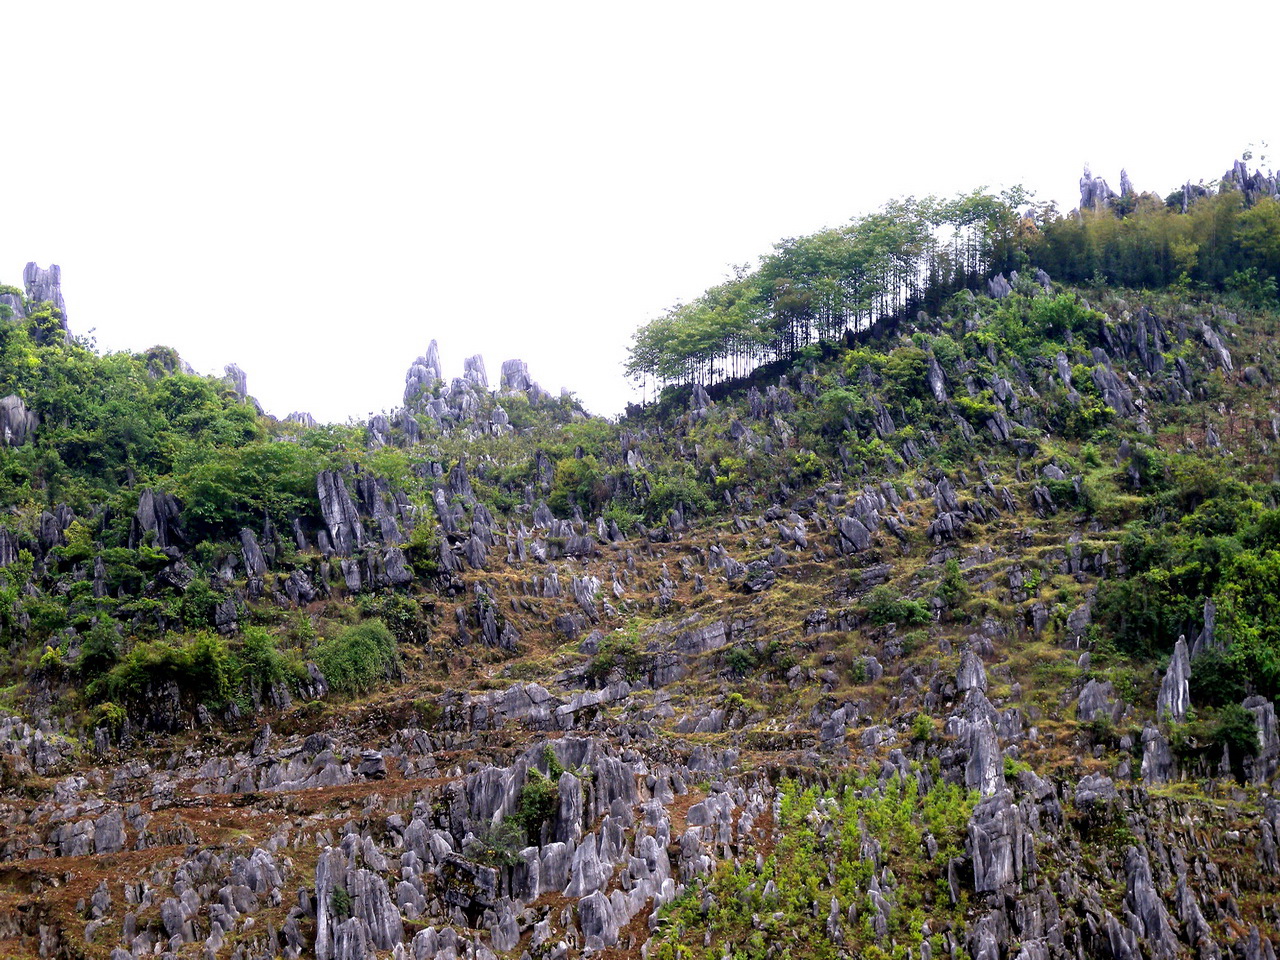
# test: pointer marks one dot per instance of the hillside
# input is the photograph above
(932, 608)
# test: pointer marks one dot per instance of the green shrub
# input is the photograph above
(883, 606)
(261, 660)
(577, 482)
(1237, 730)
(620, 650)
(403, 615)
(624, 518)
(202, 667)
(358, 657)
(99, 650)
(952, 588)
(497, 845)
(540, 796)
(110, 716)
(667, 491)
(741, 660)
(341, 903)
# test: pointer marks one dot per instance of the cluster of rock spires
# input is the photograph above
(465, 402)
(1095, 194)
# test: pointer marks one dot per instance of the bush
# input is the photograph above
(884, 606)
(402, 615)
(358, 657)
(341, 903)
(741, 660)
(260, 659)
(952, 589)
(1216, 680)
(668, 491)
(1236, 730)
(99, 651)
(497, 845)
(202, 667)
(618, 650)
(540, 796)
(577, 482)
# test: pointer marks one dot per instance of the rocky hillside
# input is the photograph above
(955, 636)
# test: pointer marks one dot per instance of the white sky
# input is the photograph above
(316, 190)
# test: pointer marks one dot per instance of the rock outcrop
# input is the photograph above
(45, 286)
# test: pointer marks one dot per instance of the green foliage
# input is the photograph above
(620, 650)
(812, 289)
(1217, 680)
(741, 660)
(260, 660)
(99, 650)
(922, 727)
(1154, 244)
(1013, 767)
(818, 858)
(202, 666)
(810, 467)
(110, 716)
(952, 588)
(223, 490)
(403, 615)
(539, 796)
(626, 519)
(1223, 547)
(883, 606)
(498, 844)
(341, 903)
(679, 487)
(577, 482)
(423, 549)
(1237, 730)
(358, 657)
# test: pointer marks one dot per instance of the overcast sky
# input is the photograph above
(314, 191)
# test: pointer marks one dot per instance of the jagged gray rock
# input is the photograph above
(45, 285)
(1149, 919)
(1000, 844)
(157, 518)
(1094, 192)
(339, 512)
(1157, 758)
(971, 675)
(1096, 701)
(423, 375)
(474, 373)
(974, 729)
(1214, 343)
(237, 379)
(1174, 699)
(17, 423)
